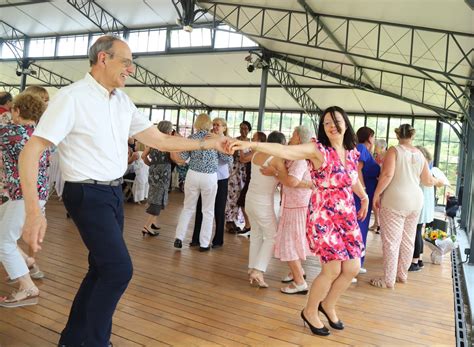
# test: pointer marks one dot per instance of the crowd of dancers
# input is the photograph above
(329, 183)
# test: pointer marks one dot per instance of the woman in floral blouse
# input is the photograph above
(26, 111)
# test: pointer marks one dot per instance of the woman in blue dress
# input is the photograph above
(369, 172)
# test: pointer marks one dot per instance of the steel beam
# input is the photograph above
(16, 40)
(433, 50)
(108, 24)
(292, 87)
(335, 72)
(334, 39)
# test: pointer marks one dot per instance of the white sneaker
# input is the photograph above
(354, 280)
(362, 270)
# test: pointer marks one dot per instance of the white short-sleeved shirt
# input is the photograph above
(91, 127)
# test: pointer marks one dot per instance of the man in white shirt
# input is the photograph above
(90, 122)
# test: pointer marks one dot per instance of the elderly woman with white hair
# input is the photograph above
(291, 245)
(201, 180)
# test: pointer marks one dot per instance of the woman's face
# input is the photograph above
(255, 138)
(295, 139)
(244, 130)
(370, 142)
(330, 126)
(218, 128)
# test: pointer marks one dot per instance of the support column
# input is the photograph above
(468, 191)
(263, 97)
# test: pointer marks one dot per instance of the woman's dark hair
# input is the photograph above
(5, 97)
(276, 137)
(405, 131)
(349, 140)
(262, 137)
(364, 134)
(247, 124)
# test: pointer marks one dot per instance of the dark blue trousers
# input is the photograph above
(97, 211)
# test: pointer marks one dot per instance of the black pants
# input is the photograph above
(97, 211)
(219, 214)
(419, 240)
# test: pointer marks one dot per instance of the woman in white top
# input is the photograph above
(400, 205)
(259, 205)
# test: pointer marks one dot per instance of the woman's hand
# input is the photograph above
(269, 171)
(364, 207)
(237, 145)
(376, 201)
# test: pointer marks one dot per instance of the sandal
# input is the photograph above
(35, 273)
(25, 297)
(289, 278)
(379, 283)
(256, 276)
(294, 288)
(146, 231)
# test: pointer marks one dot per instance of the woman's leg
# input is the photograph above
(418, 244)
(297, 271)
(320, 289)
(191, 195)
(391, 226)
(407, 244)
(349, 269)
(208, 187)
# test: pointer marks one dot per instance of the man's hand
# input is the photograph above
(34, 230)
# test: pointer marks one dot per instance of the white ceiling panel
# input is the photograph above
(202, 68)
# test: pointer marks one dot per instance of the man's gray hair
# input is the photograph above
(304, 133)
(165, 126)
(103, 44)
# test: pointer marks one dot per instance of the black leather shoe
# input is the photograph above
(337, 325)
(317, 331)
(178, 243)
(193, 244)
(217, 246)
(204, 249)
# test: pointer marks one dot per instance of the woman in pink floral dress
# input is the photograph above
(332, 229)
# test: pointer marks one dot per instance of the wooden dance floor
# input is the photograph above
(204, 299)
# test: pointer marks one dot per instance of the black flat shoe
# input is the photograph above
(154, 227)
(317, 331)
(338, 325)
(204, 249)
(178, 243)
(217, 246)
(193, 244)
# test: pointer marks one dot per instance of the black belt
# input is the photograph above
(113, 183)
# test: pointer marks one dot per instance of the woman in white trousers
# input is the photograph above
(259, 205)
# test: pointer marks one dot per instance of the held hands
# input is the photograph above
(34, 230)
(237, 145)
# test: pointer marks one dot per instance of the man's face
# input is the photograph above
(118, 65)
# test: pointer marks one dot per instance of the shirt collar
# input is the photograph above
(98, 87)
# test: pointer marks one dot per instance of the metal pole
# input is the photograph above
(263, 97)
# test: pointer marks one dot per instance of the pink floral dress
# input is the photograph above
(290, 240)
(332, 229)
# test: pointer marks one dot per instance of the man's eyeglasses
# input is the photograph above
(125, 61)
